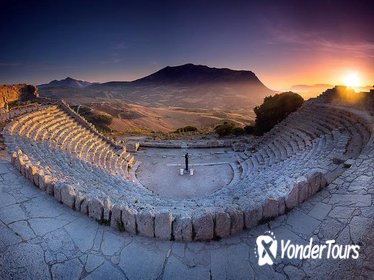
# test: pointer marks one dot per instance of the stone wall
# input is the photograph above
(21, 92)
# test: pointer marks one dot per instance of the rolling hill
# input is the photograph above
(188, 88)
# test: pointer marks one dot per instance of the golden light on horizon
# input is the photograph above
(352, 80)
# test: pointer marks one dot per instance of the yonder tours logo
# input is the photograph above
(267, 248)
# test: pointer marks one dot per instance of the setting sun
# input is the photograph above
(352, 80)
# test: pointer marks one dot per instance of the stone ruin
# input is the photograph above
(66, 157)
(20, 92)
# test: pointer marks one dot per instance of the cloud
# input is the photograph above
(317, 41)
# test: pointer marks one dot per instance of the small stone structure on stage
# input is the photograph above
(186, 170)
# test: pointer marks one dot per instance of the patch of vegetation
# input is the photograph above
(100, 121)
(229, 128)
(224, 129)
(237, 131)
(274, 109)
(187, 128)
(249, 129)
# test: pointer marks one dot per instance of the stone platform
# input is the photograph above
(158, 171)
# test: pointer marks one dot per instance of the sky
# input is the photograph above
(285, 43)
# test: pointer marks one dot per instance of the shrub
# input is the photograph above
(224, 129)
(274, 109)
(101, 120)
(187, 128)
(249, 129)
(237, 131)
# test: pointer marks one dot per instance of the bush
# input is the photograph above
(249, 129)
(101, 120)
(274, 109)
(237, 131)
(187, 128)
(224, 129)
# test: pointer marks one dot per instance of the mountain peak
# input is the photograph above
(68, 82)
(195, 74)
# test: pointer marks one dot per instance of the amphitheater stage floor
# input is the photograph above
(158, 171)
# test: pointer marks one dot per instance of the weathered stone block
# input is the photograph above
(40, 180)
(237, 220)
(292, 198)
(49, 184)
(79, 198)
(25, 169)
(57, 191)
(68, 195)
(36, 178)
(203, 226)
(84, 206)
(323, 181)
(182, 229)
(145, 223)
(303, 186)
(314, 183)
(222, 225)
(14, 158)
(270, 208)
(163, 222)
(96, 209)
(252, 217)
(129, 219)
(31, 172)
(107, 209)
(116, 215)
(17, 163)
(281, 206)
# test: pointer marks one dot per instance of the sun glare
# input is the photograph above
(352, 80)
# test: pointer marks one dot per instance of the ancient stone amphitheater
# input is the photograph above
(311, 149)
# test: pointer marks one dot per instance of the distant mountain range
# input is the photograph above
(187, 86)
(66, 83)
(187, 74)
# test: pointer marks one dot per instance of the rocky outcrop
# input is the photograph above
(19, 92)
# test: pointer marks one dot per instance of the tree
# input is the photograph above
(274, 109)
(237, 131)
(224, 129)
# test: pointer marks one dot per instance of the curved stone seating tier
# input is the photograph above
(53, 126)
(289, 164)
(16, 112)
